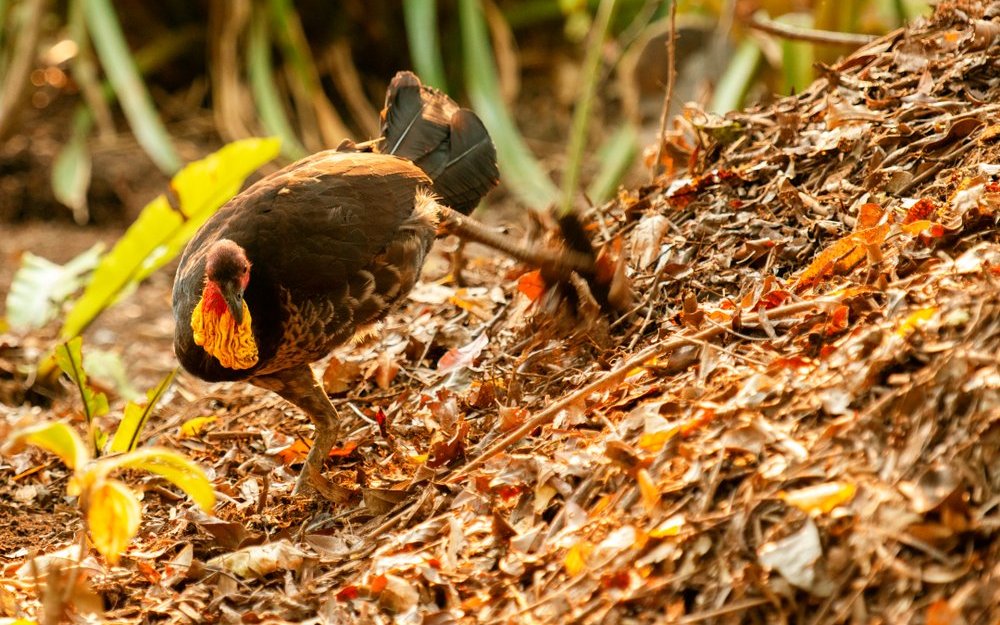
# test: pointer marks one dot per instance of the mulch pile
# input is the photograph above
(796, 420)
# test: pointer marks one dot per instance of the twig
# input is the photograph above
(798, 33)
(736, 606)
(671, 78)
(619, 373)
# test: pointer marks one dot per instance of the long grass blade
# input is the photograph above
(736, 79)
(796, 56)
(121, 69)
(265, 90)
(615, 157)
(585, 101)
(313, 104)
(425, 46)
(517, 164)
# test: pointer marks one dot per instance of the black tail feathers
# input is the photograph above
(449, 143)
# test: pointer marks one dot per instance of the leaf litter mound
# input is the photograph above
(796, 421)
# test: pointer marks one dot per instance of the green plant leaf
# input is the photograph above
(135, 416)
(107, 369)
(796, 56)
(161, 230)
(737, 78)
(57, 438)
(531, 184)
(120, 67)
(40, 287)
(585, 98)
(264, 87)
(183, 473)
(616, 157)
(425, 46)
(113, 517)
(70, 360)
(71, 171)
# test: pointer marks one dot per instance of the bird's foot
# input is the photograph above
(311, 482)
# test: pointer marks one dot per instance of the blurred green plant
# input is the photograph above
(271, 68)
(40, 288)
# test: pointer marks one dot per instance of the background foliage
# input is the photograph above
(179, 79)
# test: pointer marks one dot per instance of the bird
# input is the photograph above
(318, 253)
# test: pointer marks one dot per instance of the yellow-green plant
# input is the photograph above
(69, 357)
(110, 509)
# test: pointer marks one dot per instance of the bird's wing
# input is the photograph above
(323, 219)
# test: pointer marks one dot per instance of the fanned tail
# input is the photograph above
(450, 144)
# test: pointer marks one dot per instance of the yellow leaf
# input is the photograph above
(669, 527)
(650, 493)
(194, 427)
(418, 458)
(821, 497)
(113, 518)
(576, 558)
(57, 438)
(916, 320)
(654, 441)
(183, 473)
(135, 417)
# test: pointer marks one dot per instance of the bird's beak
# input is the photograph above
(232, 293)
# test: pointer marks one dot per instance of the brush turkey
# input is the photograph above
(319, 252)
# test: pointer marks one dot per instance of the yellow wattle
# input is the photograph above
(233, 346)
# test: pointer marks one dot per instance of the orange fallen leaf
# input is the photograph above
(347, 593)
(869, 215)
(924, 227)
(294, 453)
(842, 256)
(344, 450)
(838, 321)
(378, 584)
(941, 613)
(531, 285)
(650, 493)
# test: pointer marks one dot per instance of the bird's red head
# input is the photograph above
(227, 274)
(221, 320)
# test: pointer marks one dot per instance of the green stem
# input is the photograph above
(581, 115)
(124, 76)
(425, 46)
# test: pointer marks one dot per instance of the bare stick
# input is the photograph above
(671, 78)
(797, 33)
(557, 264)
(619, 373)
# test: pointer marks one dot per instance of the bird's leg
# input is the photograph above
(458, 263)
(299, 386)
